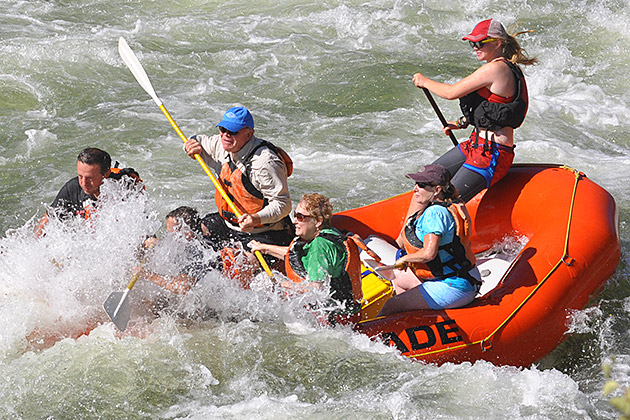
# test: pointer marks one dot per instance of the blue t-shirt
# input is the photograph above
(438, 220)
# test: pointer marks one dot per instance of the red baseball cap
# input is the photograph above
(489, 28)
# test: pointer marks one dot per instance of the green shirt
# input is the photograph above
(324, 259)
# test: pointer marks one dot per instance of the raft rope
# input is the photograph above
(566, 259)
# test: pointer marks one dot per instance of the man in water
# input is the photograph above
(78, 196)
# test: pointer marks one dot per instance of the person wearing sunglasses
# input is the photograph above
(320, 255)
(253, 172)
(437, 265)
(493, 100)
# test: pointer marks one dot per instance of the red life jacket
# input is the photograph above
(345, 288)
(237, 185)
(460, 249)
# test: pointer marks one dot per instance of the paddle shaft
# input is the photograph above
(124, 296)
(398, 266)
(138, 72)
(440, 116)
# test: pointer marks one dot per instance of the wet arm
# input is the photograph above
(179, 284)
(273, 250)
(482, 77)
(427, 253)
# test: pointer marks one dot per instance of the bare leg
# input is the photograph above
(404, 280)
(408, 301)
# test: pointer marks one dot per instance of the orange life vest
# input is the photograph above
(346, 288)
(237, 185)
(117, 173)
(460, 249)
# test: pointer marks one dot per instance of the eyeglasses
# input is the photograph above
(423, 185)
(226, 131)
(479, 44)
(301, 217)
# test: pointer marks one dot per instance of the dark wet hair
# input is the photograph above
(188, 215)
(94, 156)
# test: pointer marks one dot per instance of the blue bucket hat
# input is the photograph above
(236, 118)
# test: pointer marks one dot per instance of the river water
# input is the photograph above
(329, 81)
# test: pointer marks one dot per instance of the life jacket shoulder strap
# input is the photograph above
(277, 150)
(519, 76)
(462, 218)
(117, 173)
(293, 261)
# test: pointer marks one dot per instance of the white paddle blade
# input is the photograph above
(117, 308)
(136, 68)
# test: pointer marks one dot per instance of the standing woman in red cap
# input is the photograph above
(493, 100)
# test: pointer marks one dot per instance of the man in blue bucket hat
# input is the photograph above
(253, 172)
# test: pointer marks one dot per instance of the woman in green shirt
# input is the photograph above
(318, 256)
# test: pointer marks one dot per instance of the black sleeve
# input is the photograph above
(70, 198)
(194, 265)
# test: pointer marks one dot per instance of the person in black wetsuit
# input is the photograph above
(78, 196)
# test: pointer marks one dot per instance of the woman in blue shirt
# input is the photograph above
(438, 267)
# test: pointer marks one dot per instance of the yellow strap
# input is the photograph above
(566, 259)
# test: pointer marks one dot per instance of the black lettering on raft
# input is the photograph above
(444, 328)
(393, 338)
(423, 336)
(413, 337)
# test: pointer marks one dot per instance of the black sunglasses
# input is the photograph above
(479, 44)
(226, 131)
(424, 185)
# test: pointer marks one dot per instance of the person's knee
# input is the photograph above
(468, 183)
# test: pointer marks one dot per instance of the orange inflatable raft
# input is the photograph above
(569, 227)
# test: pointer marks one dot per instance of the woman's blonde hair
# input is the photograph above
(513, 51)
